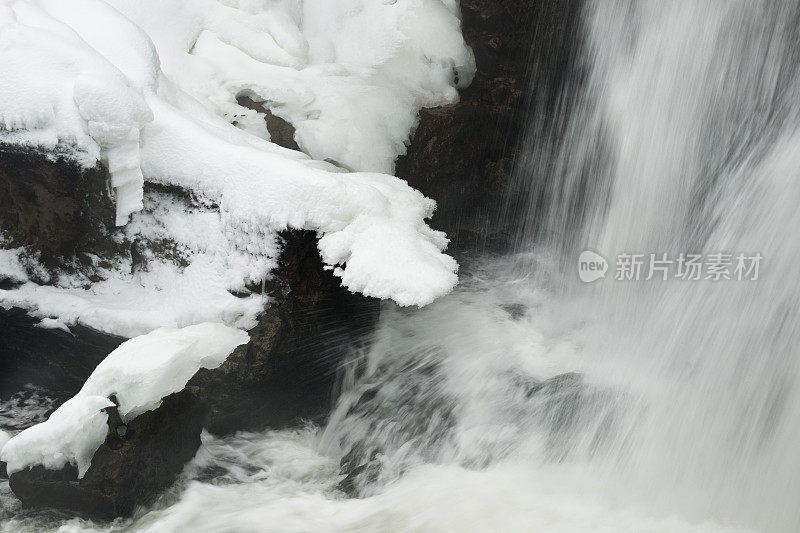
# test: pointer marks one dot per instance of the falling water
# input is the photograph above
(698, 102)
(528, 400)
(683, 139)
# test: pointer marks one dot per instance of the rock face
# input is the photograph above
(135, 463)
(288, 369)
(54, 206)
(285, 373)
(464, 155)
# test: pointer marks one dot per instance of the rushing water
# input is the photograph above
(528, 401)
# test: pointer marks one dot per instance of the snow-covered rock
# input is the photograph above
(130, 468)
(60, 94)
(139, 374)
(152, 95)
(184, 272)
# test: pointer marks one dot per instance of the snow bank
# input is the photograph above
(154, 97)
(147, 368)
(191, 285)
(140, 373)
(59, 92)
(373, 223)
(350, 75)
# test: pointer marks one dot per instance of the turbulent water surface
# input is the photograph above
(528, 401)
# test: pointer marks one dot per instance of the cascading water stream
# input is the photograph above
(684, 139)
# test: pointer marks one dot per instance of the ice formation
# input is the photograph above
(140, 373)
(150, 89)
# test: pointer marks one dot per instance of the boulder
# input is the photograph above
(288, 371)
(136, 462)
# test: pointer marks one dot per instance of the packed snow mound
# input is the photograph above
(71, 435)
(140, 373)
(372, 223)
(350, 75)
(58, 92)
(151, 89)
(145, 369)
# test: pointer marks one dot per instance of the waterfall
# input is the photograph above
(530, 400)
(682, 138)
(699, 105)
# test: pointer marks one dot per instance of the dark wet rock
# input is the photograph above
(50, 358)
(463, 155)
(358, 476)
(281, 132)
(288, 370)
(52, 205)
(131, 468)
(413, 413)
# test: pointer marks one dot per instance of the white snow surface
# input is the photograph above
(350, 75)
(71, 435)
(140, 373)
(133, 301)
(58, 90)
(149, 87)
(51, 323)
